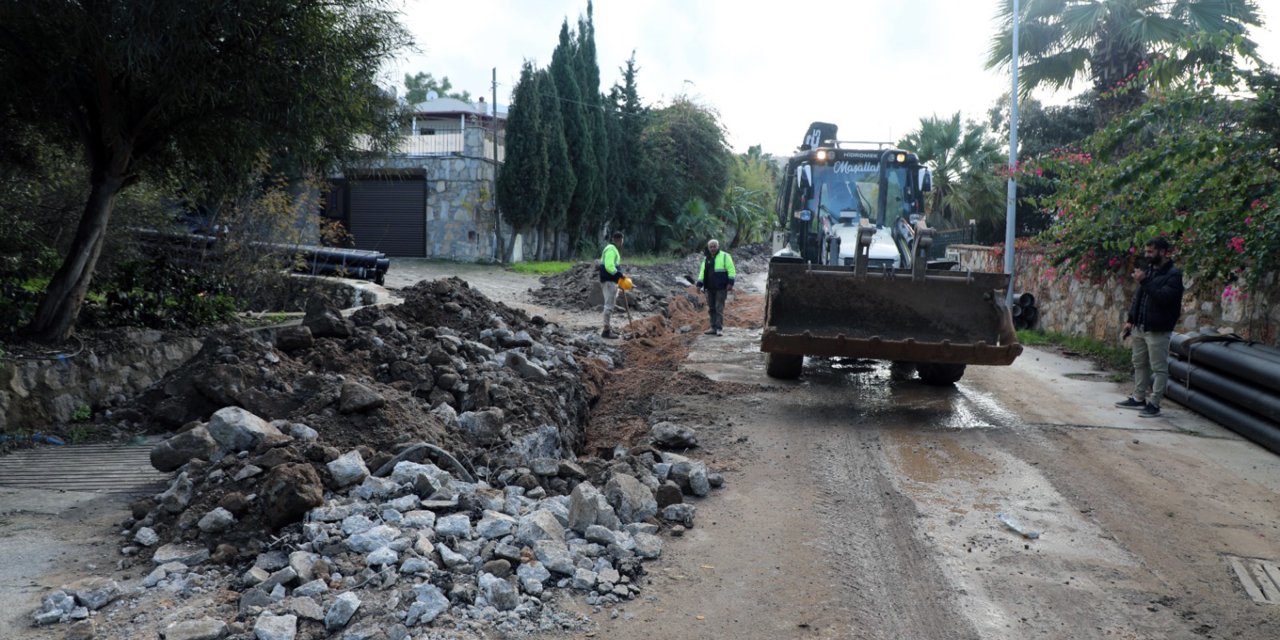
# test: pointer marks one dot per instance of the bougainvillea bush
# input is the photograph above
(1198, 163)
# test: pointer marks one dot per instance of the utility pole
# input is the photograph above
(1011, 201)
(499, 254)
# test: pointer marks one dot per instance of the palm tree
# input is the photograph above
(966, 161)
(1108, 41)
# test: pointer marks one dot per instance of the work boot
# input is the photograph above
(1150, 411)
(608, 333)
(719, 332)
(1131, 403)
(709, 332)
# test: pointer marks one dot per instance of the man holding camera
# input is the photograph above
(1152, 317)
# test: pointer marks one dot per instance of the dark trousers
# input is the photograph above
(715, 306)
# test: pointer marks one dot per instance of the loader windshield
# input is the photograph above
(843, 187)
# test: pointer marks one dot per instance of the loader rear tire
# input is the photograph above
(783, 366)
(939, 375)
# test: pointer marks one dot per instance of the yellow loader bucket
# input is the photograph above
(933, 317)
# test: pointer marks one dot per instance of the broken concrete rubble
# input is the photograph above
(476, 508)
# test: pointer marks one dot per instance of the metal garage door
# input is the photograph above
(389, 215)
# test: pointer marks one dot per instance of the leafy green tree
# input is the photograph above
(419, 84)
(748, 201)
(561, 181)
(966, 162)
(522, 183)
(688, 156)
(205, 88)
(1110, 41)
(577, 132)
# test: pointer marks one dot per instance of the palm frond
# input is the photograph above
(1057, 71)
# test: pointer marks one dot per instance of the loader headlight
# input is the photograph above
(822, 155)
(902, 157)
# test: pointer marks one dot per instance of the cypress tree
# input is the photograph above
(588, 69)
(632, 197)
(560, 181)
(522, 184)
(576, 132)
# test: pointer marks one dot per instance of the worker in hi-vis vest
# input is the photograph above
(610, 274)
(716, 278)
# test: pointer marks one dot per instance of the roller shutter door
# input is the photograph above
(389, 216)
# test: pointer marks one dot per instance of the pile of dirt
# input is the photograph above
(415, 464)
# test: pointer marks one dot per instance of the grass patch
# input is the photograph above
(542, 268)
(1114, 358)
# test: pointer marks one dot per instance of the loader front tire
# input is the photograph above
(783, 366)
(939, 375)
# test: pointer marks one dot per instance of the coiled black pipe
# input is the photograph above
(1248, 366)
(1259, 430)
(1226, 388)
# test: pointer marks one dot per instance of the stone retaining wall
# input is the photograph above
(1083, 307)
(37, 393)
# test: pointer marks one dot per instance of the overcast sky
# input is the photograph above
(874, 67)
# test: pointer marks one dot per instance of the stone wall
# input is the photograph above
(37, 393)
(1083, 307)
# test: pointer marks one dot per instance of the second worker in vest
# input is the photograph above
(610, 274)
(716, 277)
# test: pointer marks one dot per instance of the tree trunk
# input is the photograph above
(56, 316)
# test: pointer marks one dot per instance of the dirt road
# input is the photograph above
(863, 507)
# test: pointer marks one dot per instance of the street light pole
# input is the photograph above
(1011, 200)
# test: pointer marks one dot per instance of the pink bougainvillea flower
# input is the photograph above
(1237, 244)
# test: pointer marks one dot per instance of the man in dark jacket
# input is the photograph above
(716, 277)
(1152, 317)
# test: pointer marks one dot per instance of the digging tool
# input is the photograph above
(626, 304)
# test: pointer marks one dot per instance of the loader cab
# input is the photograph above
(829, 191)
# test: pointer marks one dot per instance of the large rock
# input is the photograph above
(631, 500)
(182, 448)
(373, 539)
(539, 525)
(294, 338)
(527, 370)
(235, 429)
(176, 498)
(666, 435)
(95, 593)
(667, 494)
(357, 398)
(216, 521)
(348, 469)
(484, 428)
(340, 612)
(554, 556)
(495, 525)
(288, 492)
(187, 554)
(326, 322)
(500, 593)
(457, 525)
(692, 477)
(430, 602)
(680, 514)
(273, 627)
(201, 629)
(587, 506)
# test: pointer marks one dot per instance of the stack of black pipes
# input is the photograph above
(1024, 310)
(1229, 380)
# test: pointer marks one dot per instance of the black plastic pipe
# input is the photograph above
(1178, 344)
(1259, 430)
(1227, 389)
(1248, 366)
